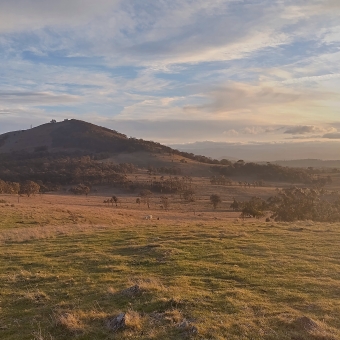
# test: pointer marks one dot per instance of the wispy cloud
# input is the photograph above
(307, 129)
(5, 112)
(312, 78)
(38, 98)
(253, 65)
(18, 15)
(335, 135)
(263, 102)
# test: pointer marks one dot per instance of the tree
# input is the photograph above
(14, 188)
(254, 208)
(165, 202)
(189, 195)
(215, 200)
(145, 196)
(29, 188)
(298, 204)
(236, 205)
(9, 187)
(115, 200)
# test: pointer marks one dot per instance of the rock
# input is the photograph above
(157, 315)
(132, 291)
(117, 323)
(188, 327)
(184, 324)
(194, 330)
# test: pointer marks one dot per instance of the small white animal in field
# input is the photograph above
(148, 217)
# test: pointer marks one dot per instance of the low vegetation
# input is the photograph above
(162, 279)
(300, 204)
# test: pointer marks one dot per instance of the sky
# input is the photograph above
(175, 71)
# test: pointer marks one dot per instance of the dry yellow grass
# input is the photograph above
(65, 268)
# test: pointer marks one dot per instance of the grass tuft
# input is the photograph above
(70, 321)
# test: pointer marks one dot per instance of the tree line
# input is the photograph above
(57, 170)
(294, 204)
(272, 172)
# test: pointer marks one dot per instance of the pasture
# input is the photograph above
(70, 265)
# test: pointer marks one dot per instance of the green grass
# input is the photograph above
(242, 281)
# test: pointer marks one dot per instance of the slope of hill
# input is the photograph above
(74, 135)
(76, 138)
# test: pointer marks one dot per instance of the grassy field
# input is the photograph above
(69, 266)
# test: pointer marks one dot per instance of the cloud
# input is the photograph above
(17, 15)
(5, 112)
(307, 129)
(243, 97)
(231, 132)
(335, 135)
(253, 65)
(255, 130)
(37, 98)
(154, 34)
(312, 78)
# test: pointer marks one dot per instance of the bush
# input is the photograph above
(80, 189)
(254, 208)
(294, 204)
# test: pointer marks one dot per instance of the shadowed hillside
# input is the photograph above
(74, 135)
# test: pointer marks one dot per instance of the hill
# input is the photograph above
(71, 135)
(74, 151)
(76, 137)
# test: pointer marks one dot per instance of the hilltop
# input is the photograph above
(76, 137)
(71, 135)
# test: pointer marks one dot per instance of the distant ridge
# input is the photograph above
(309, 163)
(326, 152)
